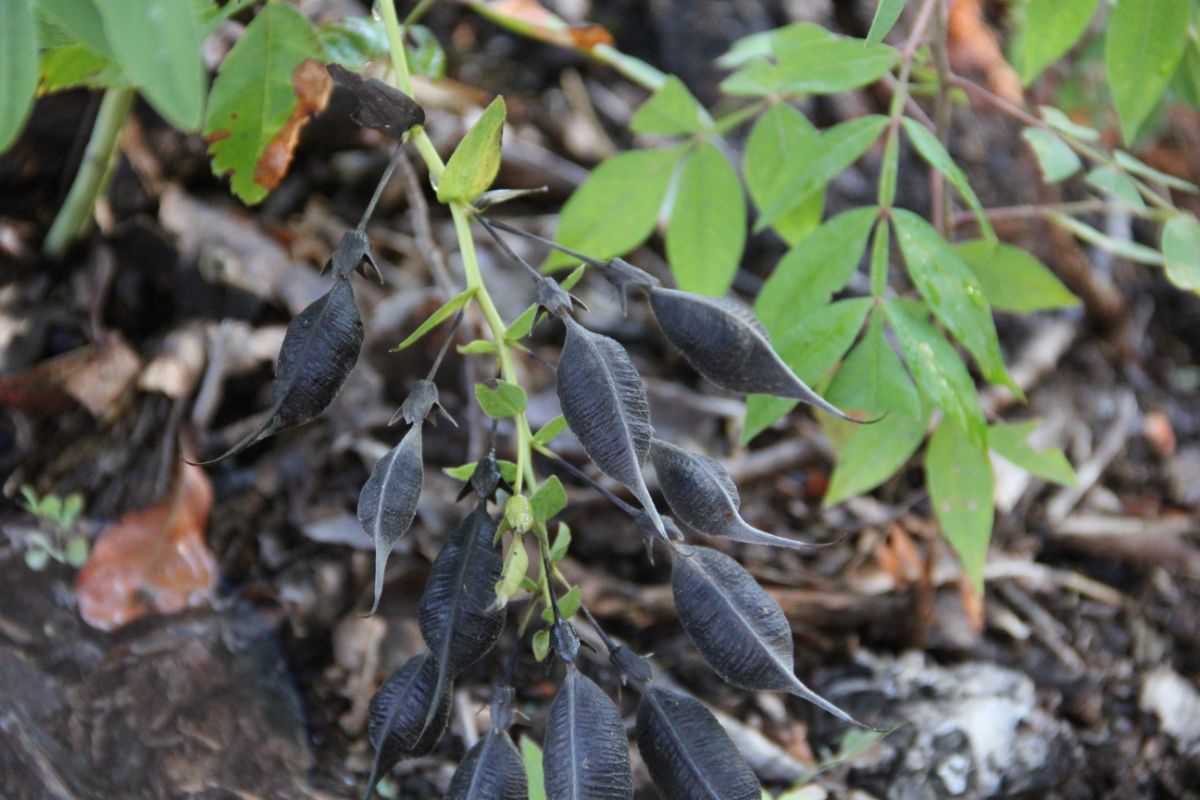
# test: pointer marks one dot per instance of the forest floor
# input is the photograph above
(1074, 677)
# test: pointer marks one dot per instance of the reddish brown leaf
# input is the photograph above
(93, 376)
(530, 18)
(313, 86)
(152, 560)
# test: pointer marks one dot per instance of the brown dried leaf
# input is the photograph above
(94, 376)
(530, 18)
(313, 87)
(152, 560)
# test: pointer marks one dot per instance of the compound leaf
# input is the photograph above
(779, 141)
(670, 111)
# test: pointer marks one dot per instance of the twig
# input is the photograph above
(1090, 471)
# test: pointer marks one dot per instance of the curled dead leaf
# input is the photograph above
(313, 87)
(95, 376)
(152, 560)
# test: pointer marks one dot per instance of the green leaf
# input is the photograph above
(36, 560)
(437, 318)
(670, 111)
(1144, 45)
(568, 604)
(548, 432)
(819, 265)
(1143, 170)
(353, 41)
(1051, 28)
(1116, 183)
(18, 67)
(76, 553)
(616, 208)
(825, 64)
(872, 380)
(541, 648)
(549, 499)
(480, 347)
(518, 512)
(838, 148)
(1187, 78)
(1121, 247)
(157, 43)
(1007, 440)
(936, 156)
(425, 55)
(71, 509)
(521, 326)
(576, 275)
(562, 543)
(961, 484)
(508, 471)
(953, 292)
(531, 755)
(1012, 279)
(476, 160)
(810, 345)
(1055, 157)
(79, 21)
(938, 371)
(707, 229)
(886, 14)
(1181, 249)
(1063, 124)
(505, 400)
(76, 65)
(254, 96)
(779, 144)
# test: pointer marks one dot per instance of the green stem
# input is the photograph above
(466, 245)
(76, 212)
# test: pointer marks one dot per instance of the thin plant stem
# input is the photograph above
(94, 170)
(466, 245)
(379, 187)
(512, 254)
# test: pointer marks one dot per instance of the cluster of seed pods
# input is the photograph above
(737, 628)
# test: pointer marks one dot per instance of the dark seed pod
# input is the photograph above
(553, 299)
(605, 406)
(704, 497)
(741, 632)
(319, 349)
(382, 107)
(724, 342)
(688, 753)
(492, 769)
(388, 501)
(407, 716)
(421, 402)
(354, 252)
(459, 619)
(485, 479)
(586, 753)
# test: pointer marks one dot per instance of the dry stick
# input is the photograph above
(939, 202)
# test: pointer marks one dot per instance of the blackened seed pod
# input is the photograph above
(353, 252)
(605, 406)
(703, 496)
(485, 479)
(458, 616)
(724, 342)
(319, 349)
(398, 711)
(586, 755)
(388, 501)
(689, 755)
(492, 769)
(739, 630)
(382, 107)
